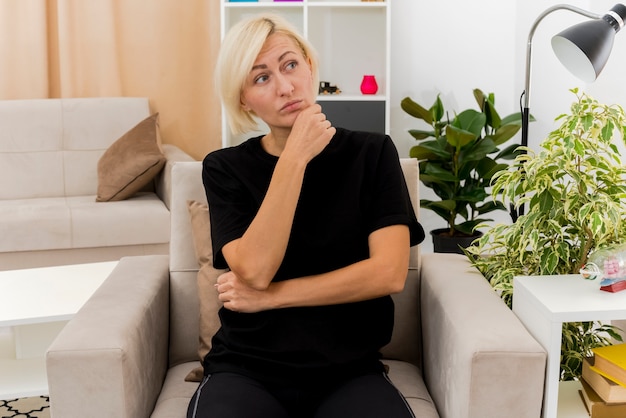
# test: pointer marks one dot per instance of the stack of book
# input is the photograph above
(604, 382)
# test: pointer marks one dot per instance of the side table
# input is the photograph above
(544, 303)
(35, 304)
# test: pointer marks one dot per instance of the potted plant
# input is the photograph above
(575, 192)
(458, 163)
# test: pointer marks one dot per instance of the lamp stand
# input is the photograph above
(516, 212)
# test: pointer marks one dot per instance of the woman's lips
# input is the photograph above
(290, 106)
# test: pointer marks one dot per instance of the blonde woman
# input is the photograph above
(315, 224)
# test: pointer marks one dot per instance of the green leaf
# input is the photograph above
(419, 134)
(478, 151)
(441, 207)
(545, 201)
(488, 175)
(549, 260)
(468, 227)
(421, 154)
(509, 153)
(441, 212)
(493, 119)
(512, 119)
(458, 137)
(587, 121)
(471, 121)
(436, 110)
(480, 98)
(579, 148)
(597, 223)
(417, 111)
(444, 204)
(438, 172)
(490, 207)
(505, 133)
(607, 131)
(486, 165)
(430, 150)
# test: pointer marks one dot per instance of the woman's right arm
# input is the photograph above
(257, 255)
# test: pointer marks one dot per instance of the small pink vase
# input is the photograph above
(369, 85)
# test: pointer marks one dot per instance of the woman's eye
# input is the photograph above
(291, 65)
(260, 79)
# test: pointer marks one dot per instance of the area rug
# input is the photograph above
(35, 407)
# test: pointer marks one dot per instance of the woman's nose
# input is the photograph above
(284, 86)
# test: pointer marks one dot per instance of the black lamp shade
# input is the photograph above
(584, 49)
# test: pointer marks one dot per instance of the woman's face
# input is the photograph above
(280, 84)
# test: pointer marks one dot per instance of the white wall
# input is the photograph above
(450, 47)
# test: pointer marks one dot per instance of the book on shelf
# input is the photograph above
(609, 391)
(596, 407)
(610, 362)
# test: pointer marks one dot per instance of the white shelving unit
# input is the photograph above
(352, 38)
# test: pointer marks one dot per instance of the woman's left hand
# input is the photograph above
(238, 296)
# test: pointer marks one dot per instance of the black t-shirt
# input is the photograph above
(354, 187)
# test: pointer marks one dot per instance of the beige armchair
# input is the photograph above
(457, 350)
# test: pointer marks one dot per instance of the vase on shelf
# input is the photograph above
(369, 85)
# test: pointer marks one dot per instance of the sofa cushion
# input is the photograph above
(407, 378)
(405, 342)
(31, 144)
(207, 277)
(34, 224)
(176, 392)
(141, 219)
(131, 162)
(90, 126)
(55, 143)
(81, 222)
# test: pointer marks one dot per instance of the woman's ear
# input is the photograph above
(243, 105)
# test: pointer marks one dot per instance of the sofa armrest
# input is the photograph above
(479, 360)
(110, 360)
(173, 154)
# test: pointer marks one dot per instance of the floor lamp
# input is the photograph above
(583, 49)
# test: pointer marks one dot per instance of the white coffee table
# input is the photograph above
(543, 304)
(35, 304)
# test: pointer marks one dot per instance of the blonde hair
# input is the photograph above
(239, 51)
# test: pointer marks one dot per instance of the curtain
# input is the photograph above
(161, 49)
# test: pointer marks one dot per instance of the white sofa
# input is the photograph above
(49, 153)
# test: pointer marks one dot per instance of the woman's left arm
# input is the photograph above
(383, 273)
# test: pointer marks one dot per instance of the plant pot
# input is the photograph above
(444, 243)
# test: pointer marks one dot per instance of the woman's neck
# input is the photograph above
(274, 142)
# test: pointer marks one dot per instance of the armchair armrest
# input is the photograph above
(118, 342)
(479, 360)
(173, 154)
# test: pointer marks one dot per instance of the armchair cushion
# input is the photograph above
(131, 162)
(207, 277)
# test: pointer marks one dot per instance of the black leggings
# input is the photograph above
(230, 395)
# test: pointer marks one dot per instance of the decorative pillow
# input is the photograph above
(207, 277)
(131, 162)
